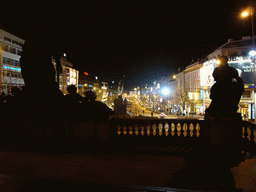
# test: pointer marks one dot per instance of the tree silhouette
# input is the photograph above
(180, 97)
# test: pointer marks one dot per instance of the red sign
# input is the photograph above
(86, 73)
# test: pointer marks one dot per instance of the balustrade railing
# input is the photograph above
(182, 132)
(159, 131)
(132, 132)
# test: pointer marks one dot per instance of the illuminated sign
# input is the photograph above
(13, 68)
(245, 70)
(86, 73)
(206, 78)
(202, 94)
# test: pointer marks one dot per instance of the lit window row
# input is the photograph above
(11, 62)
(10, 49)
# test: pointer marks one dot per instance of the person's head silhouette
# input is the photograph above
(71, 89)
(90, 96)
(222, 61)
(224, 73)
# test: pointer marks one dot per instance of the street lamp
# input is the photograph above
(165, 91)
(246, 13)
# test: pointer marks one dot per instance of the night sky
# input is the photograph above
(143, 40)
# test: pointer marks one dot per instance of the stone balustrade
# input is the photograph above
(134, 132)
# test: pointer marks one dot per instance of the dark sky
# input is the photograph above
(143, 40)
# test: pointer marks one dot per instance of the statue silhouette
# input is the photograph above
(226, 92)
(41, 99)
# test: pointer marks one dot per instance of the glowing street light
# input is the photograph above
(246, 13)
(252, 53)
(166, 91)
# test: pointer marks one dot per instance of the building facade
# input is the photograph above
(69, 76)
(192, 75)
(10, 53)
(237, 52)
(198, 78)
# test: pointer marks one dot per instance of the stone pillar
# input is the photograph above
(226, 139)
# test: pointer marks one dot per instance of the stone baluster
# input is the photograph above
(160, 128)
(166, 129)
(194, 130)
(191, 128)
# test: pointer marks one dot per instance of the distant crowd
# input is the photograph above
(70, 107)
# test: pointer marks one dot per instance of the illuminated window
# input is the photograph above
(5, 47)
(7, 39)
(12, 50)
(195, 96)
(4, 60)
(190, 95)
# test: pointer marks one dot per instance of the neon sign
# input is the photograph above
(18, 69)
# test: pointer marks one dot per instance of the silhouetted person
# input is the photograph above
(73, 96)
(96, 110)
(226, 92)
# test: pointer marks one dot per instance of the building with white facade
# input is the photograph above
(69, 76)
(180, 81)
(10, 53)
(192, 75)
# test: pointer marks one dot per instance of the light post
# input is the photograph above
(246, 13)
(252, 53)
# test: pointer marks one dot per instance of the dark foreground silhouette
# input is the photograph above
(212, 170)
(40, 104)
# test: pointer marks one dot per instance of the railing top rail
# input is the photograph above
(247, 123)
(148, 120)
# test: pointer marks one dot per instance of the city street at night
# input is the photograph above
(128, 96)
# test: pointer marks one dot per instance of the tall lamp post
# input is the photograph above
(252, 53)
